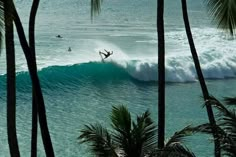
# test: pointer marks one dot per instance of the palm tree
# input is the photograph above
(10, 14)
(32, 66)
(132, 138)
(38, 102)
(200, 76)
(29, 51)
(11, 80)
(34, 131)
(161, 73)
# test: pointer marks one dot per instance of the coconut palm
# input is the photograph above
(131, 138)
(200, 76)
(161, 73)
(11, 79)
(29, 51)
(32, 67)
(8, 8)
(34, 130)
(38, 102)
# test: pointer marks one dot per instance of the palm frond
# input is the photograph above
(176, 150)
(121, 123)
(229, 150)
(179, 136)
(129, 138)
(144, 138)
(223, 13)
(174, 147)
(207, 129)
(99, 140)
(227, 143)
(121, 120)
(217, 104)
(229, 116)
(95, 7)
(230, 101)
(145, 132)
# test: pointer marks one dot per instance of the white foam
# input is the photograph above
(181, 69)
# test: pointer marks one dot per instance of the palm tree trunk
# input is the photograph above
(11, 81)
(36, 86)
(33, 12)
(200, 77)
(161, 73)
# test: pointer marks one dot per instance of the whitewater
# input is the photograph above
(79, 89)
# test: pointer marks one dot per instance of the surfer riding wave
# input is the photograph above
(106, 55)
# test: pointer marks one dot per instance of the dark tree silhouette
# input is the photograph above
(33, 13)
(161, 73)
(32, 67)
(132, 138)
(11, 80)
(200, 76)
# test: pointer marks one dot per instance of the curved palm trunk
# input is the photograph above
(33, 12)
(31, 63)
(200, 77)
(161, 74)
(11, 81)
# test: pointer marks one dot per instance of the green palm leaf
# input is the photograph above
(136, 139)
(230, 101)
(145, 133)
(95, 7)
(223, 13)
(121, 123)
(228, 146)
(175, 147)
(179, 136)
(176, 150)
(132, 138)
(121, 120)
(228, 115)
(226, 127)
(99, 140)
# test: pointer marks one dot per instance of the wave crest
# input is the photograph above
(178, 69)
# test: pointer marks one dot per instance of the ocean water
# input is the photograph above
(79, 89)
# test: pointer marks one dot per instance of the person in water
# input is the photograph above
(59, 36)
(69, 49)
(107, 54)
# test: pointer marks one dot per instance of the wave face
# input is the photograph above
(178, 69)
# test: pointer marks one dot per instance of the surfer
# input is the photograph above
(69, 49)
(59, 36)
(106, 55)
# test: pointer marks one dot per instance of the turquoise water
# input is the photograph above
(79, 89)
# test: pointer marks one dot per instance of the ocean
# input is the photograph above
(79, 89)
